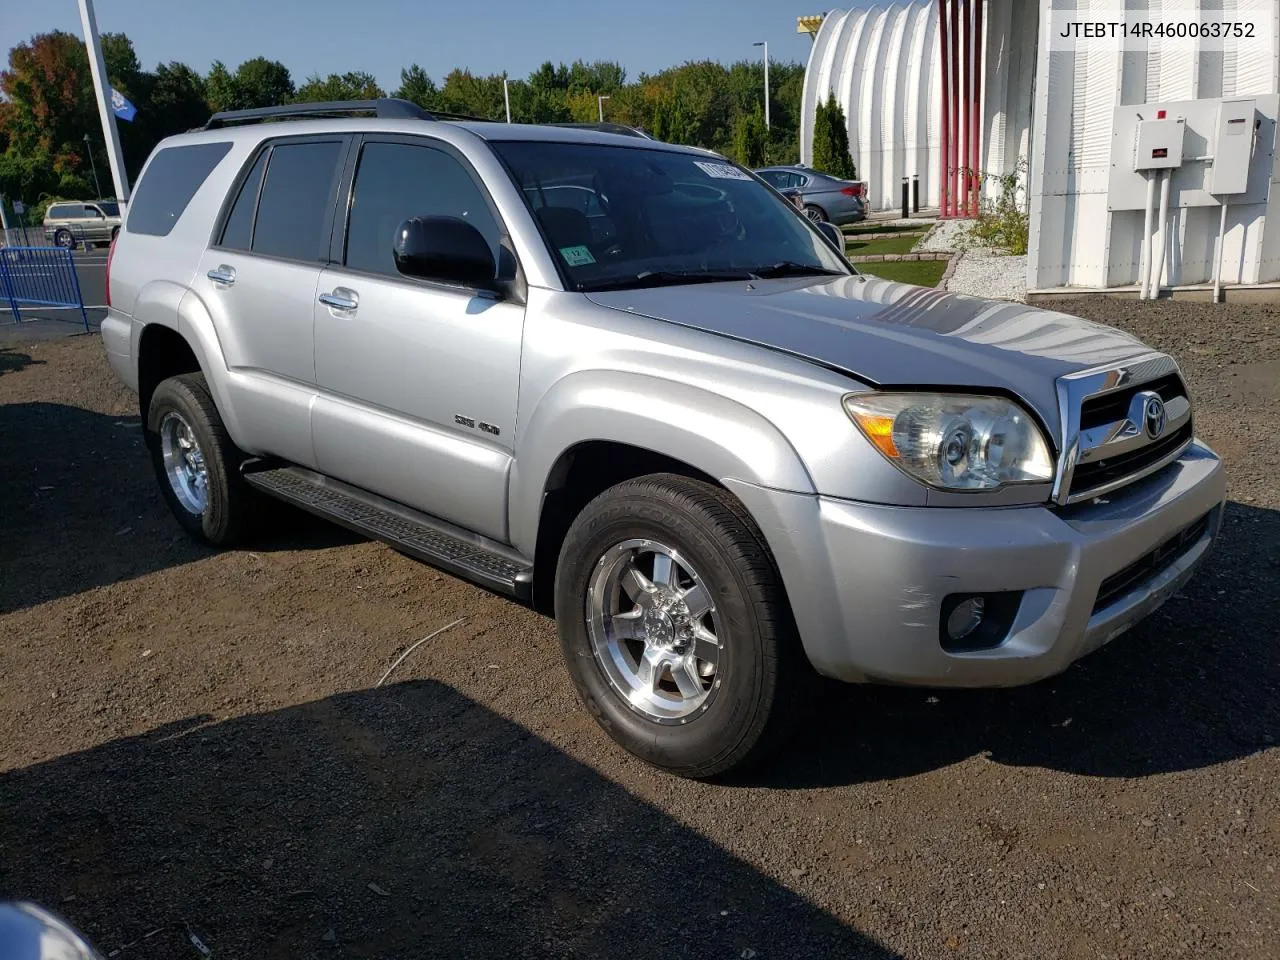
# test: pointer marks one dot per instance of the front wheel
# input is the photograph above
(674, 625)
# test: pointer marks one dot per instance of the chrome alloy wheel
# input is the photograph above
(184, 463)
(654, 630)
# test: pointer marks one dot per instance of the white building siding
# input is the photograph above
(1076, 239)
(883, 63)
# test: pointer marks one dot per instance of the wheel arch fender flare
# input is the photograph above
(167, 304)
(713, 434)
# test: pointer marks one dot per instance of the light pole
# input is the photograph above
(88, 148)
(600, 106)
(765, 44)
(506, 98)
(101, 86)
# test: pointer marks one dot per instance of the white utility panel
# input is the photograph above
(1159, 144)
(1191, 181)
(1232, 148)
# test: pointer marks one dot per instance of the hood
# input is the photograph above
(894, 334)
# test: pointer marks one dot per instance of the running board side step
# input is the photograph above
(424, 537)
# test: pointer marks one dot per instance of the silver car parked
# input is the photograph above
(825, 198)
(630, 384)
(81, 223)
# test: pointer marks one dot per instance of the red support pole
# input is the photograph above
(966, 18)
(954, 158)
(975, 138)
(944, 175)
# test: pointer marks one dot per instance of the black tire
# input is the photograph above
(230, 500)
(815, 213)
(62, 238)
(114, 233)
(761, 662)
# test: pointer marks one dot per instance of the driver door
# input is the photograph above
(418, 380)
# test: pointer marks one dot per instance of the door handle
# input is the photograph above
(222, 274)
(340, 299)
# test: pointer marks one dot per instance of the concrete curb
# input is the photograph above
(895, 257)
(950, 271)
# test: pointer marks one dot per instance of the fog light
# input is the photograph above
(966, 617)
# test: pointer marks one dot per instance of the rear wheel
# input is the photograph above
(196, 463)
(675, 626)
(815, 213)
(62, 238)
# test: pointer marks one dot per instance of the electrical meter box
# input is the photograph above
(1159, 144)
(1232, 146)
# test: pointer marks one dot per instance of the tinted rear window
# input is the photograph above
(63, 212)
(173, 177)
(293, 212)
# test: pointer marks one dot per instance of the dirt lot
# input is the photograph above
(192, 741)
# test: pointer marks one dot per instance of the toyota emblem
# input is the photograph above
(1153, 416)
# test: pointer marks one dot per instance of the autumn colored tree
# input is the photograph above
(46, 109)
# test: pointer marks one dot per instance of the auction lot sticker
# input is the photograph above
(721, 171)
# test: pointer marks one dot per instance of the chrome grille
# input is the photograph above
(1108, 441)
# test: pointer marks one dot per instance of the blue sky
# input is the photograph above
(381, 36)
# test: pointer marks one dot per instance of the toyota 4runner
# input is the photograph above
(628, 383)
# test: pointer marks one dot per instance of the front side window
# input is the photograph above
(396, 181)
(665, 217)
(109, 209)
(293, 213)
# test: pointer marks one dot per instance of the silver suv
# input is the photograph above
(67, 224)
(628, 383)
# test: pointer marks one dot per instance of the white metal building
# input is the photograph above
(1072, 110)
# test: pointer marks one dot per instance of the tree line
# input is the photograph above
(47, 105)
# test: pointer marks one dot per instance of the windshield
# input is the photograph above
(109, 208)
(618, 217)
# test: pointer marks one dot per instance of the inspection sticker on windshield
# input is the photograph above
(721, 171)
(577, 256)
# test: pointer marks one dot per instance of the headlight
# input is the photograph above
(952, 441)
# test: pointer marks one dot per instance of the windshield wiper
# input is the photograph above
(791, 268)
(669, 278)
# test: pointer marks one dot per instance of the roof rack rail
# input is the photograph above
(389, 108)
(619, 128)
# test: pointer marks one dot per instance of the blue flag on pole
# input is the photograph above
(122, 107)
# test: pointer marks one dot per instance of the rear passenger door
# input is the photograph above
(259, 279)
(418, 380)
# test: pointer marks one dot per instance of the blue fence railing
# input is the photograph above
(40, 277)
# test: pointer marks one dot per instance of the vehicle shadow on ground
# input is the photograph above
(12, 361)
(82, 507)
(1196, 684)
(406, 821)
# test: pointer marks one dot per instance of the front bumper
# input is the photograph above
(867, 582)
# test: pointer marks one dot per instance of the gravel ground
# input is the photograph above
(989, 275)
(977, 272)
(944, 236)
(193, 741)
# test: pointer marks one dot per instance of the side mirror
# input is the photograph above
(834, 235)
(27, 931)
(447, 249)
